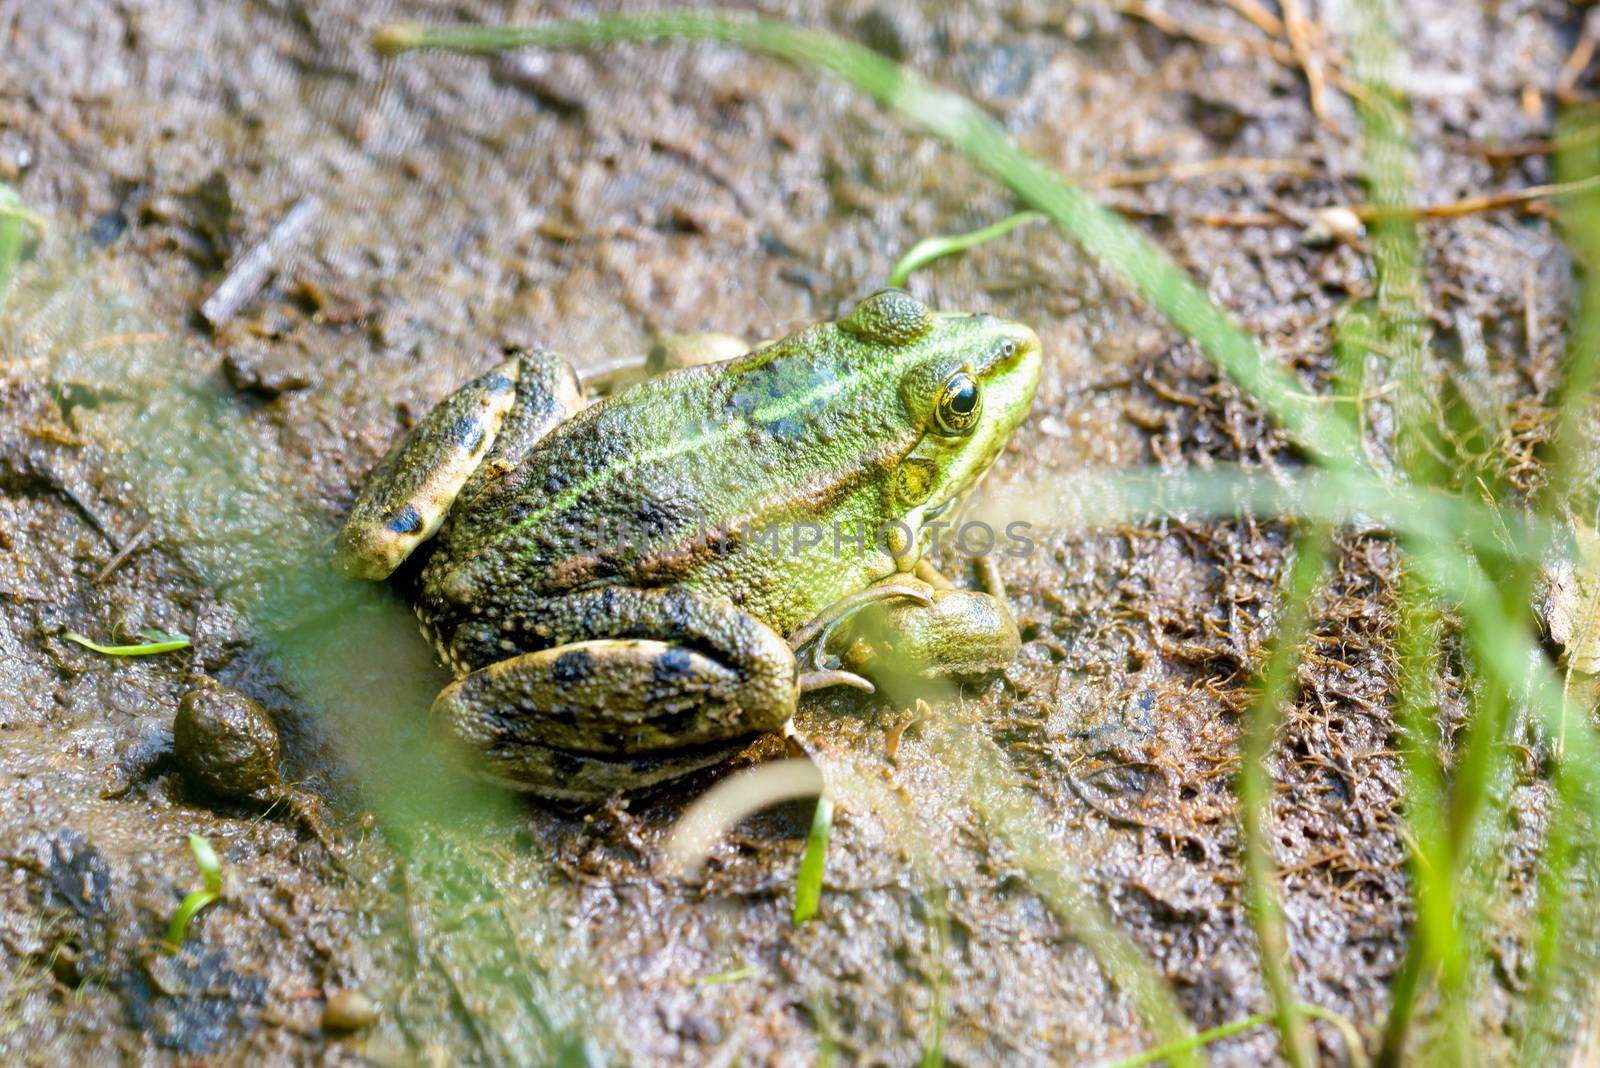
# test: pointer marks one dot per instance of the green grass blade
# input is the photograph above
(938, 923)
(1278, 683)
(737, 975)
(205, 859)
(808, 882)
(1390, 166)
(929, 249)
(187, 911)
(1200, 1039)
(158, 642)
(15, 222)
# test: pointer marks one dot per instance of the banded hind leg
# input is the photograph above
(469, 438)
(636, 687)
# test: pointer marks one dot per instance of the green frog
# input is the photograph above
(620, 587)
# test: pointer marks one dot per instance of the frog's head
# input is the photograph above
(966, 381)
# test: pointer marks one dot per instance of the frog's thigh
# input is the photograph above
(613, 695)
(631, 671)
(411, 489)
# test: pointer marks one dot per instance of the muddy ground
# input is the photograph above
(589, 202)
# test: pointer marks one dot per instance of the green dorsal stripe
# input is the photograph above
(772, 412)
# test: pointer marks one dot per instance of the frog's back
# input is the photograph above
(643, 488)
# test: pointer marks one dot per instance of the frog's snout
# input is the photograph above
(1027, 339)
(1029, 348)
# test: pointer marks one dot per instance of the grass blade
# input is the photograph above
(155, 642)
(808, 882)
(929, 249)
(1278, 683)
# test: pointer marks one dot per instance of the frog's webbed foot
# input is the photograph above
(474, 433)
(903, 645)
(307, 810)
(932, 575)
(817, 680)
(640, 686)
(836, 613)
(988, 574)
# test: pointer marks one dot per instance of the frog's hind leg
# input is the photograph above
(411, 489)
(547, 395)
(630, 674)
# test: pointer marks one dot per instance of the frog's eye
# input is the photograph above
(889, 317)
(959, 405)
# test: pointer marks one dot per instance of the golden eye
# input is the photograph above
(960, 403)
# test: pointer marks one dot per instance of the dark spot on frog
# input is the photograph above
(574, 666)
(564, 763)
(653, 518)
(466, 432)
(673, 664)
(497, 383)
(772, 382)
(406, 520)
(474, 684)
(676, 722)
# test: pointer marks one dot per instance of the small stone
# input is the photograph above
(251, 371)
(225, 742)
(1330, 225)
(890, 29)
(349, 1010)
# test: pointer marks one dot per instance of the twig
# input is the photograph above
(1367, 213)
(1478, 204)
(1264, 20)
(250, 273)
(1199, 169)
(1226, 220)
(1299, 31)
(1276, 51)
(1578, 59)
(1172, 28)
(1538, 146)
(126, 551)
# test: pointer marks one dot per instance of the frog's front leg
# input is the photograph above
(635, 686)
(901, 644)
(468, 438)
